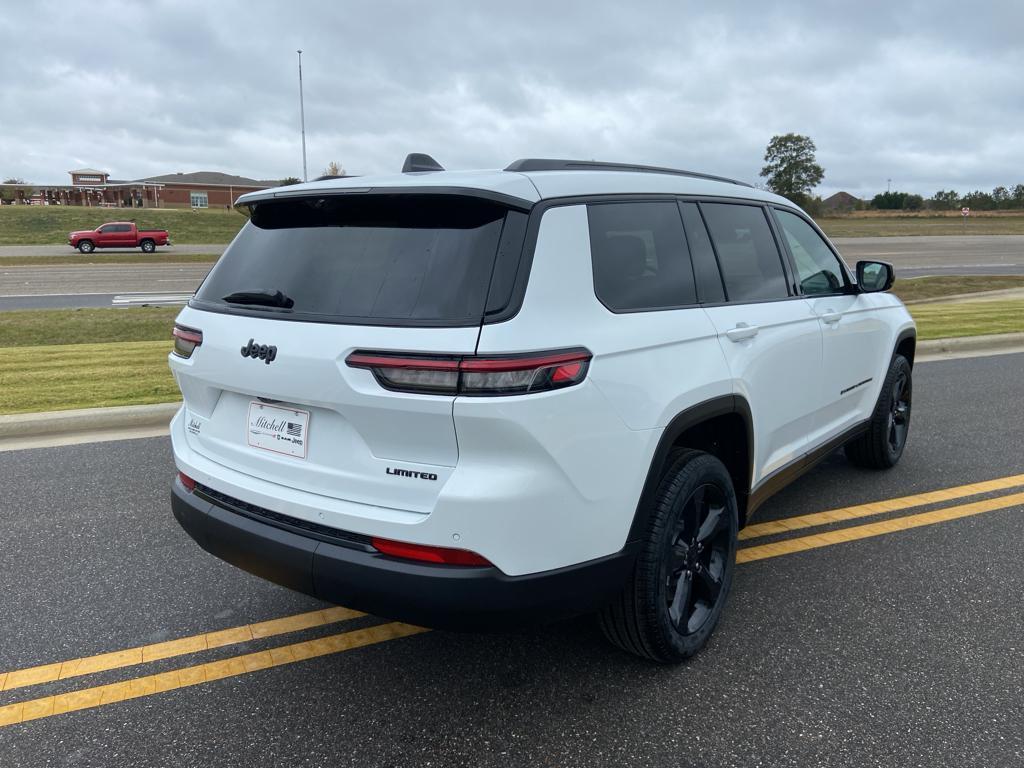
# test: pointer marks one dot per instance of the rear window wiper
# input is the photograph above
(260, 299)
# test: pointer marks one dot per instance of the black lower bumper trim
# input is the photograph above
(440, 596)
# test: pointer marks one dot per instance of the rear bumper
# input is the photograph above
(357, 576)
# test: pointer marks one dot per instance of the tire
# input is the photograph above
(148, 246)
(881, 446)
(674, 598)
(86, 246)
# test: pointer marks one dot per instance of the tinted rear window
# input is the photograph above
(377, 259)
(750, 260)
(640, 257)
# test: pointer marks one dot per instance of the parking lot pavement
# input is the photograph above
(896, 645)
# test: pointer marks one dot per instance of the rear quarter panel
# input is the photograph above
(582, 454)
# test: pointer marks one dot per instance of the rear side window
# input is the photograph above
(750, 260)
(374, 259)
(640, 256)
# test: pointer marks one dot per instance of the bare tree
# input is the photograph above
(333, 169)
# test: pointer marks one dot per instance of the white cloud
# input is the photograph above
(922, 93)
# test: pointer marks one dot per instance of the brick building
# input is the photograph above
(92, 187)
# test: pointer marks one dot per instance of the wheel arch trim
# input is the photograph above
(684, 421)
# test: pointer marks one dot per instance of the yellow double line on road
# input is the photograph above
(183, 677)
(892, 525)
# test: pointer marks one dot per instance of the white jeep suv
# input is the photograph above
(466, 399)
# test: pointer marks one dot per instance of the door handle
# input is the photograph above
(742, 332)
(831, 317)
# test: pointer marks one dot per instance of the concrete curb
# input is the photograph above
(24, 425)
(58, 423)
(996, 342)
(971, 298)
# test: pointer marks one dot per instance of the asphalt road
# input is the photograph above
(92, 285)
(940, 255)
(67, 250)
(902, 649)
(70, 286)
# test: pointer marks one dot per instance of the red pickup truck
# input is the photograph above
(118, 234)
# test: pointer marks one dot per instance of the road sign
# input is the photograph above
(965, 211)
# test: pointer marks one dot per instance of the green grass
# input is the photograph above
(917, 288)
(99, 257)
(906, 225)
(50, 224)
(88, 358)
(39, 327)
(64, 376)
(944, 321)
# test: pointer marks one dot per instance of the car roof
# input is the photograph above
(531, 186)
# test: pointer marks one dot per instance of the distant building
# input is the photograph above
(92, 187)
(841, 202)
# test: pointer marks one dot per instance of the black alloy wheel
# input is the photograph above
(695, 569)
(673, 599)
(881, 444)
(899, 412)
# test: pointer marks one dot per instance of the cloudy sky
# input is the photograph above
(930, 94)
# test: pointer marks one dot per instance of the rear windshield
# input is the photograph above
(374, 259)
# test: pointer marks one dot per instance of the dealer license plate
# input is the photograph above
(281, 430)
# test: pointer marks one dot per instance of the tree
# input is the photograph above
(944, 201)
(333, 169)
(790, 166)
(978, 201)
(14, 180)
(1018, 196)
(1001, 197)
(288, 180)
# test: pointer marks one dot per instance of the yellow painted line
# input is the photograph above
(828, 538)
(787, 524)
(88, 698)
(61, 670)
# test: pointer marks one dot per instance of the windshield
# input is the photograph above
(374, 259)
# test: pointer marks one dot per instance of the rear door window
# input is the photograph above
(705, 267)
(640, 257)
(376, 259)
(749, 258)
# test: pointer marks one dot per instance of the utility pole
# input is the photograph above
(888, 182)
(302, 116)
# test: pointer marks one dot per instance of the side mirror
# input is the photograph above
(874, 276)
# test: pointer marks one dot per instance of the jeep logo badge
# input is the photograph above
(260, 352)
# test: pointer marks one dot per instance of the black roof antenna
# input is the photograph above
(417, 162)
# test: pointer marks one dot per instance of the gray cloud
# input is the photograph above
(927, 94)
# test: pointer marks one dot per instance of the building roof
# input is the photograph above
(532, 186)
(215, 178)
(91, 171)
(840, 200)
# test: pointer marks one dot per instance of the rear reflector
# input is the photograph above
(188, 482)
(186, 340)
(476, 375)
(425, 554)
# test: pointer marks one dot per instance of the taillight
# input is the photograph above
(188, 482)
(186, 340)
(473, 374)
(427, 554)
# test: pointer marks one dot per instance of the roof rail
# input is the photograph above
(541, 164)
